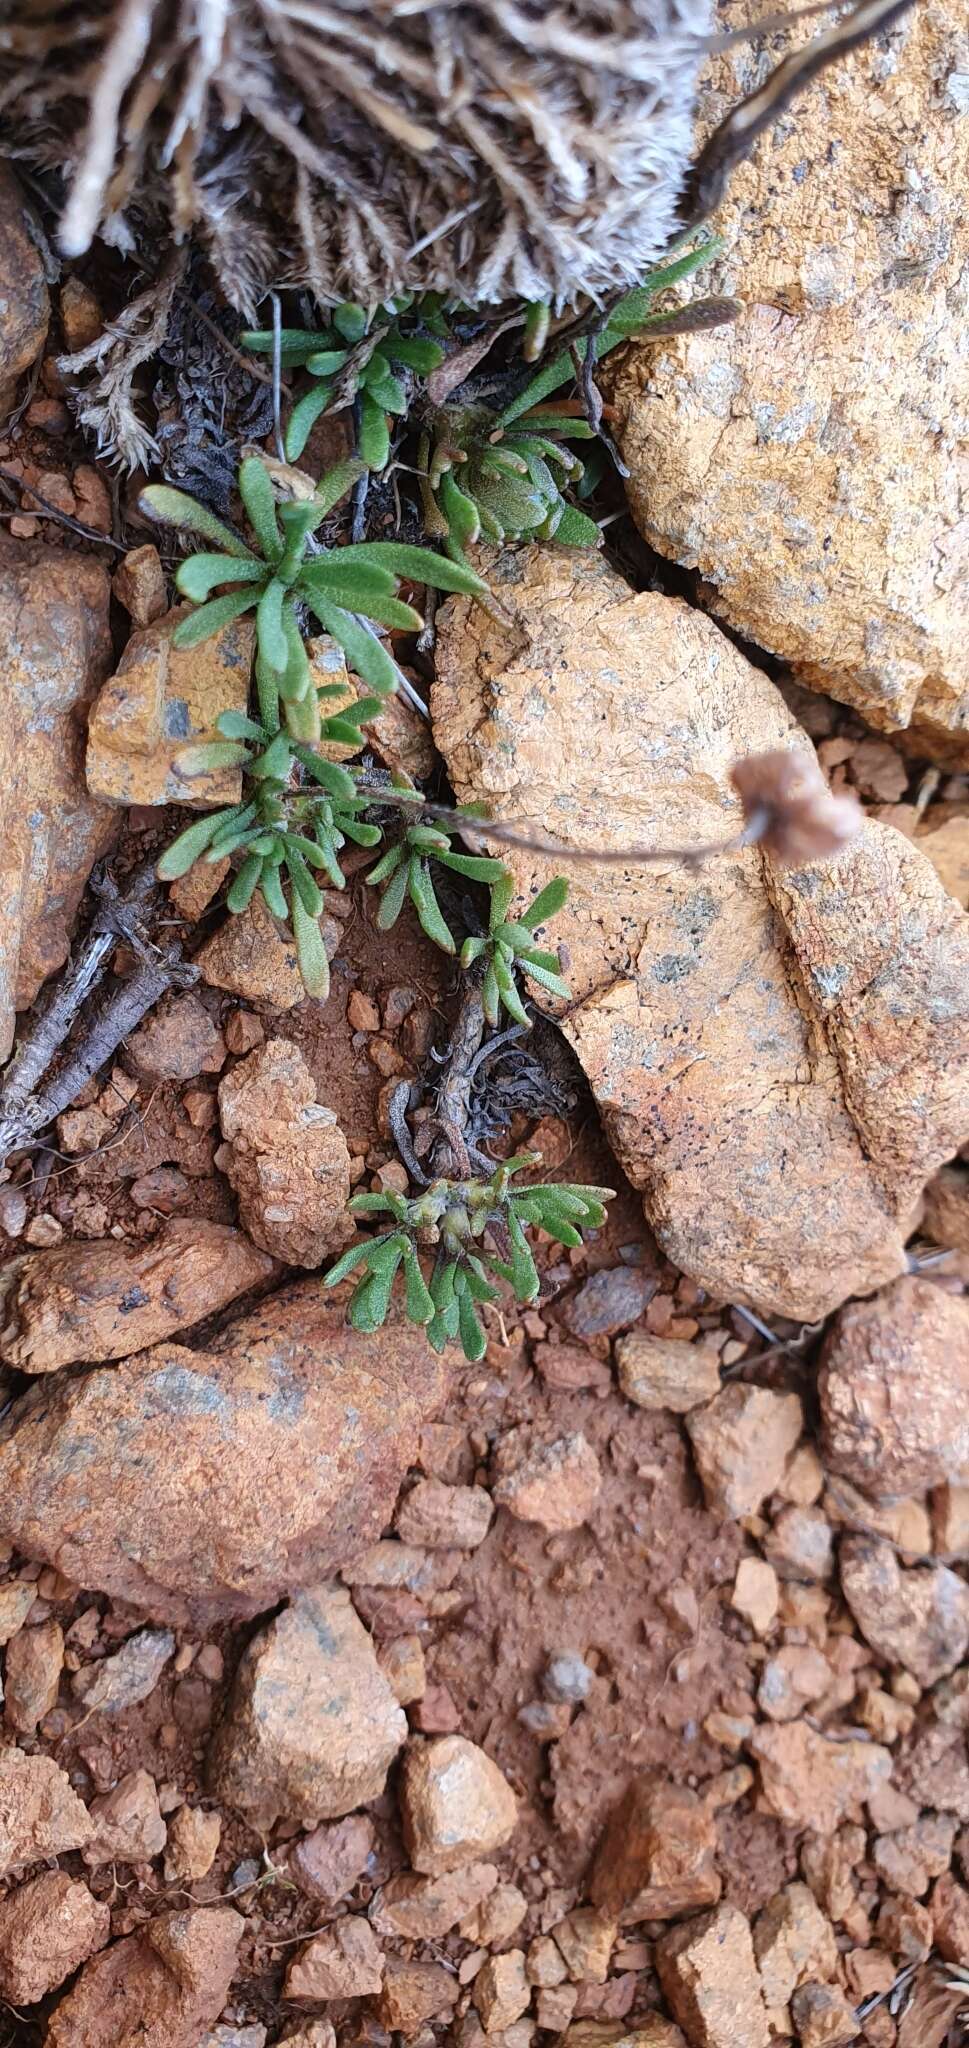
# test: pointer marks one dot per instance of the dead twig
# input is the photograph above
(63, 518)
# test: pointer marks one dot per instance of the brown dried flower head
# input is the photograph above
(789, 808)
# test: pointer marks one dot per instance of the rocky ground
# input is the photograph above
(614, 1690)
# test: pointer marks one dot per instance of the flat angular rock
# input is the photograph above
(40, 1814)
(162, 698)
(457, 1805)
(127, 1822)
(710, 1980)
(656, 1858)
(444, 1517)
(894, 1389)
(83, 1303)
(812, 1782)
(326, 1863)
(285, 1156)
(48, 1928)
(254, 956)
(917, 1618)
(346, 1961)
(208, 1483)
(32, 1674)
(25, 312)
(656, 1372)
(159, 1988)
(128, 1677)
(54, 626)
(793, 1943)
(782, 457)
(780, 1061)
(312, 1726)
(425, 1908)
(741, 1442)
(554, 1484)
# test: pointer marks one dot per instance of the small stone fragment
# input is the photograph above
(254, 956)
(32, 1675)
(457, 1805)
(792, 1678)
(161, 699)
(801, 1545)
(413, 1993)
(894, 1389)
(656, 1372)
(811, 1782)
(287, 1156)
(741, 1442)
(139, 584)
(444, 1517)
(425, 1908)
(40, 1814)
(327, 1863)
(128, 1826)
(84, 1303)
(48, 1928)
(502, 1991)
(823, 2017)
(656, 1858)
(178, 1041)
(554, 1484)
(16, 1600)
(402, 1663)
(554, 2007)
(567, 1678)
(570, 1369)
(193, 1841)
(917, 1618)
(908, 1860)
(127, 1677)
(829, 1863)
(26, 302)
(709, 1976)
(755, 1594)
(312, 1727)
(345, 1962)
(793, 1943)
(161, 1987)
(235, 2037)
(949, 1907)
(586, 1939)
(500, 1915)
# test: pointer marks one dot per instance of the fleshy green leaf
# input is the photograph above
(273, 644)
(351, 1259)
(338, 481)
(350, 320)
(546, 904)
(256, 492)
(576, 530)
(421, 890)
(419, 565)
(374, 435)
(414, 353)
(199, 574)
(473, 1339)
(210, 618)
(208, 757)
(303, 419)
(244, 883)
(477, 867)
(420, 1307)
(392, 900)
(364, 652)
(177, 508)
(190, 844)
(310, 950)
(305, 890)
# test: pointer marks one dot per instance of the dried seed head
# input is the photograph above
(789, 808)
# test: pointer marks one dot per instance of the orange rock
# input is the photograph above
(178, 1041)
(48, 1928)
(413, 1993)
(709, 1976)
(327, 1863)
(160, 699)
(554, 1484)
(285, 1156)
(811, 1782)
(894, 1389)
(83, 1303)
(741, 1442)
(444, 1517)
(193, 1841)
(945, 1215)
(793, 1943)
(502, 1991)
(139, 584)
(918, 1618)
(39, 1813)
(344, 1962)
(32, 1675)
(254, 956)
(162, 1986)
(780, 456)
(128, 1827)
(457, 1805)
(657, 1372)
(54, 626)
(425, 1908)
(322, 1424)
(26, 300)
(312, 1726)
(823, 2017)
(656, 1858)
(780, 1130)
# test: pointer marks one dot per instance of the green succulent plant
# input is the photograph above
(477, 1231)
(297, 814)
(338, 360)
(504, 475)
(509, 945)
(405, 870)
(340, 586)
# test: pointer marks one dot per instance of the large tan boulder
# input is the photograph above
(781, 1059)
(57, 648)
(807, 460)
(209, 1483)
